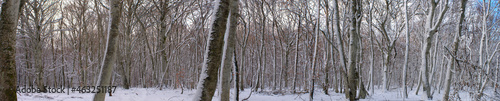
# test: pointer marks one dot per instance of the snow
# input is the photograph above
(154, 94)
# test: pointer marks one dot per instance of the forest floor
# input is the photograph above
(154, 94)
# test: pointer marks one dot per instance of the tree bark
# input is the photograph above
(228, 53)
(236, 78)
(212, 62)
(110, 56)
(8, 24)
(431, 27)
(353, 49)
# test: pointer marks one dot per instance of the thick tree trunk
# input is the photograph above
(8, 24)
(110, 56)
(385, 71)
(431, 27)
(353, 49)
(162, 47)
(228, 55)
(212, 62)
(425, 67)
(362, 90)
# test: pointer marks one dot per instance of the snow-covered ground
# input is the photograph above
(153, 94)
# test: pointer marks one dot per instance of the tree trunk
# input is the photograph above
(419, 82)
(407, 46)
(236, 78)
(313, 66)
(385, 71)
(431, 28)
(229, 49)
(110, 56)
(372, 60)
(451, 61)
(484, 62)
(275, 55)
(343, 65)
(327, 64)
(262, 56)
(328, 51)
(8, 24)
(212, 62)
(353, 49)
(295, 71)
(425, 67)
(362, 90)
(38, 48)
(62, 47)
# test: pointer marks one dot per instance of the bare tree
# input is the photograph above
(431, 27)
(39, 19)
(229, 45)
(212, 62)
(355, 21)
(297, 37)
(112, 44)
(407, 46)
(451, 61)
(485, 56)
(313, 71)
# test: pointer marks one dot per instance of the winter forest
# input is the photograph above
(249, 50)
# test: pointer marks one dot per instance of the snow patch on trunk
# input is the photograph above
(204, 71)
